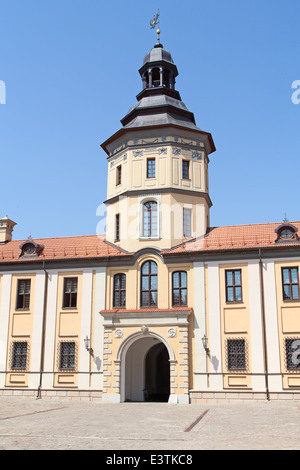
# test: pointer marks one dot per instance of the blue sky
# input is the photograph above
(70, 68)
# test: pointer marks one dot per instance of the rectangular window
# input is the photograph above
(292, 351)
(185, 169)
(19, 355)
(236, 354)
(118, 175)
(187, 222)
(23, 294)
(179, 288)
(290, 283)
(119, 296)
(70, 292)
(67, 355)
(117, 228)
(151, 168)
(233, 280)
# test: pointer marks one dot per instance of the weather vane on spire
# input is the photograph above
(155, 22)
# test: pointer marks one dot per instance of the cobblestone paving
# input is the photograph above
(30, 424)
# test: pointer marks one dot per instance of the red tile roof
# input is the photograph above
(236, 237)
(82, 247)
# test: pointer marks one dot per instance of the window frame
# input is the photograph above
(289, 364)
(23, 355)
(185, 171)
(233, 286)
(150, 290)
(180, 288)
(185, 211)
(236, 355)
(118, 175)
(119, 290)
(290, 284)
(117, 227)
(151, 171)
(70, 356)
(22, 297)
(68, 305)
(148, 233)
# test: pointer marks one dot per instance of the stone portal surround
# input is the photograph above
(179, 368)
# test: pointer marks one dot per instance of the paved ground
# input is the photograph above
(27, 423)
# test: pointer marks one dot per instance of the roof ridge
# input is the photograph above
(254, 225)
(101, 237)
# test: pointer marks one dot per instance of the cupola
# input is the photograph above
(159, 103)
(158, 71)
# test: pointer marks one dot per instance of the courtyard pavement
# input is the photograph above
(48, 424)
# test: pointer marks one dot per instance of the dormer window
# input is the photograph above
(30, 249)
(286, 232)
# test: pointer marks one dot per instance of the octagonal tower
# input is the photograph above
(157, 190)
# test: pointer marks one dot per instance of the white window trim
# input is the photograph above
(142, 200)
(189, 208)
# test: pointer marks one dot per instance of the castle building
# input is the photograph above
(162, 307)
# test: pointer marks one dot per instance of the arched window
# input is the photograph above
(119, 295)
(179, 288)
(166, 78)
(150, 228)
(155, 77)
(146, 80)
(149, 284)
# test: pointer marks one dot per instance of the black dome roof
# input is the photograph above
(158, 53)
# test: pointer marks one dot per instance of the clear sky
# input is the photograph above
(70, 69)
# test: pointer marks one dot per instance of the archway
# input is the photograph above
(146, 371)
(157, 374)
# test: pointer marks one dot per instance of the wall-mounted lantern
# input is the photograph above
(87, 343)
(205, 343)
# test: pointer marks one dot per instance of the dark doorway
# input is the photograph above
(157, 374)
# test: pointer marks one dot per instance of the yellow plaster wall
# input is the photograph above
(168, 171)
(288, 323)
(235, 324)
(182, 344)
(133, 282)
(168, 155)
(170, 220)
(68, 325)
(20, 329)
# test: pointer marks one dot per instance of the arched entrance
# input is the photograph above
(146, 371)
(157, 374)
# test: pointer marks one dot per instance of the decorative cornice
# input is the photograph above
(146, 317)
(170, 190)
(210, 149)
